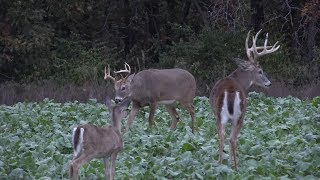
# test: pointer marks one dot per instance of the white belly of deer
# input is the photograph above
(167, 102)
(225, 114)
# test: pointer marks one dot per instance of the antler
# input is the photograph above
(253, 53)
(107, 75)
(126, 70)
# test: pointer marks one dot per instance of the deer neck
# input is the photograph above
(242, 77)
(116, 123)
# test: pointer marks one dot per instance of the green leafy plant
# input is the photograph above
(280, 140)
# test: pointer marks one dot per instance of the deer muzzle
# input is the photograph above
(268, 84)
(118, 99)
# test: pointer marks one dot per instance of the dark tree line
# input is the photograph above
(46, 39)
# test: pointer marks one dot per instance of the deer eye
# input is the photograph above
(123, 88)
(260, 71)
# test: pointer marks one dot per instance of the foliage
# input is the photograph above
(280, 139)
(78, 62)
(73, 40)
(208, 56)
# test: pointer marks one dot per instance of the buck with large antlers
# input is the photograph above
(91, 142)
(153, 86)
(228, 96)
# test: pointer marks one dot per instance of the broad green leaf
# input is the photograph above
(279, 140)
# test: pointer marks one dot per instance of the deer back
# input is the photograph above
(161, 85)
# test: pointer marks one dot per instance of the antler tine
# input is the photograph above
(265, 48)
(253, 53)
(265, 43)
(274, 46)
(129, 68)
(254, 46)
(126, 70)
(107, 75)
(248, 50)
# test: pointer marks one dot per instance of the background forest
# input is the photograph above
(58, 49)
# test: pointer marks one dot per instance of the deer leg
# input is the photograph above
(134, 111)
(221, 133)
(153, 107)
(233, 143)
(71, 170)
(174, 115)
(76, 164)
(106, 162)
(113, 165)
(190, 108)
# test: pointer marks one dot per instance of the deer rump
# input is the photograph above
(166, 86)
(81, 135)
(227, 89)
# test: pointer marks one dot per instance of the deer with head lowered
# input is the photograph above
(90, 141)
(228, 96)
(154, 86)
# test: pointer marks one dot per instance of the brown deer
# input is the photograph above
(90, 141)
(228, 96)
(152, 87)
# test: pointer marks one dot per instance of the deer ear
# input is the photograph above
(243, 64)
(129, 79)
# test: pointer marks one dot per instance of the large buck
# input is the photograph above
(152, 87)
(228, 96)
(90, 141)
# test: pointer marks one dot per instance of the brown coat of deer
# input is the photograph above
(90, 141)
(153, 86)
(228, 96)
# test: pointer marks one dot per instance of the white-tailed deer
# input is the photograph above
(153, 86)
(90, 141)
(228, 96)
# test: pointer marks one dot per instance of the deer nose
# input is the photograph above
(268, 84)
(117, 100)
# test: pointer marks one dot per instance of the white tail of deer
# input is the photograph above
(228, 96)
(153, 86)
(90, 141)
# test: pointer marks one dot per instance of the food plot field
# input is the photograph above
(280, 139)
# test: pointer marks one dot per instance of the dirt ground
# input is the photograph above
(11, 93)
